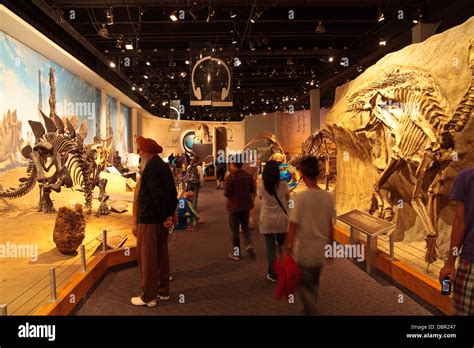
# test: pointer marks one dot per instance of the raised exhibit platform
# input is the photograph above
(25, 282)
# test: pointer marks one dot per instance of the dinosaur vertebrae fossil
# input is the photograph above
(418, 127)
(75, 165)
(321, 145)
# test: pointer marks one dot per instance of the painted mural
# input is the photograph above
(24, 86)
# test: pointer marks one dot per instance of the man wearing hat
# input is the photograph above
(157, 202)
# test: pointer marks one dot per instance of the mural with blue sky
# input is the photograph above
(24, 86)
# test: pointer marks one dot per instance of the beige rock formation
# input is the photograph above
(403, 131)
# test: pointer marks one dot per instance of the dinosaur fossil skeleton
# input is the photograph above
(321, 145)
(74, 165)
(277, 152)
(410, 116)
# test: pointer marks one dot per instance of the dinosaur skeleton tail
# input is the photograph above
(465, 110)
(27, 184)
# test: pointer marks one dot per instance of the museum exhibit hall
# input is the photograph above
(251, 158)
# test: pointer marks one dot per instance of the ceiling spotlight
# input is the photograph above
(129, 45)
(256, 14)
(232, 14)
(380, 16)
(109, 14)
(382, 41)
(320, 28)
(174, 15)
(237, 62)
(140, 89)
(251, 44)
(360, 68)
(164, 102)
(419, 16)
(331, 59)
(133, 88)
(145, 77)
(234, 40)
(186, 62)
(148, 63)
(183, 74)
(210, 14)
(112, 64)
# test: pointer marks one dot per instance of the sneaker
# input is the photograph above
(233, 257)
(249, 250)
(164, 298)
(272, 279)
(137, 301)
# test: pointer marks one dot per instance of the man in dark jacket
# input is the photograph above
(239, 188)
(157, 201)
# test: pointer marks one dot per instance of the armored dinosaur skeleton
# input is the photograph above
(417, 125)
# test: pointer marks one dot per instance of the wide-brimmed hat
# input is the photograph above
(148, 145)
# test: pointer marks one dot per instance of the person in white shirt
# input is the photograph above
(273, 214)
(310, 230)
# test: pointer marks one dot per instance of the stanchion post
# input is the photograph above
(83, 258)
(104, 245)
(52, 283)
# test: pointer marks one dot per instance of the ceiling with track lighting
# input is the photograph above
(281, 48)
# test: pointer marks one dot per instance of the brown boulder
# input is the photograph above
(69, 229)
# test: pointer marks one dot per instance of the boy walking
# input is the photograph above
(311, 224)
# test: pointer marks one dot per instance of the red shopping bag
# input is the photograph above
(288, 275)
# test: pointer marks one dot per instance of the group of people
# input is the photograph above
(300, 225)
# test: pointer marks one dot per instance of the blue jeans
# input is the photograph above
(195, 188)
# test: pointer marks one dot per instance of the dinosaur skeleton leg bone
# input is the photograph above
(392, 166)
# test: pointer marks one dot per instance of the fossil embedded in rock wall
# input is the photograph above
(403, 132)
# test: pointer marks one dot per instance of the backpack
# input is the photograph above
(192, 175)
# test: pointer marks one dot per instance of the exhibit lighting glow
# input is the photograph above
(382, 41)
(129, 45)
(147, 63)
(145, 76)
(163, 103)
(232, 14)
(264, 113)
(140, 89)
(331, 59)
(186, 62)
(234, 41)
(208, 78)
(174, 16)
(112, 64)
(133, 88)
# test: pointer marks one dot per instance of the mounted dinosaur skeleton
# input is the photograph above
(411, 125)
(75, 164)
(58, 145)
(321, 145)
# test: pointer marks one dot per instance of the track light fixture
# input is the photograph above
(210, 14)
(418, 16)
(129, 45)
(112, 64)
(380, 15)
(194, 11)
(109, 14)
(232, 14)
(174, 15)
(251, 44)
(382, 41)
(255, 16)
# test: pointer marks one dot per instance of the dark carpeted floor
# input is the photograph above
(208, 283)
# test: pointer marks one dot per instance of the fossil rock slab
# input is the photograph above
(403, 131)
(69, 229)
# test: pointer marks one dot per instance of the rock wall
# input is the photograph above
(412, 103)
